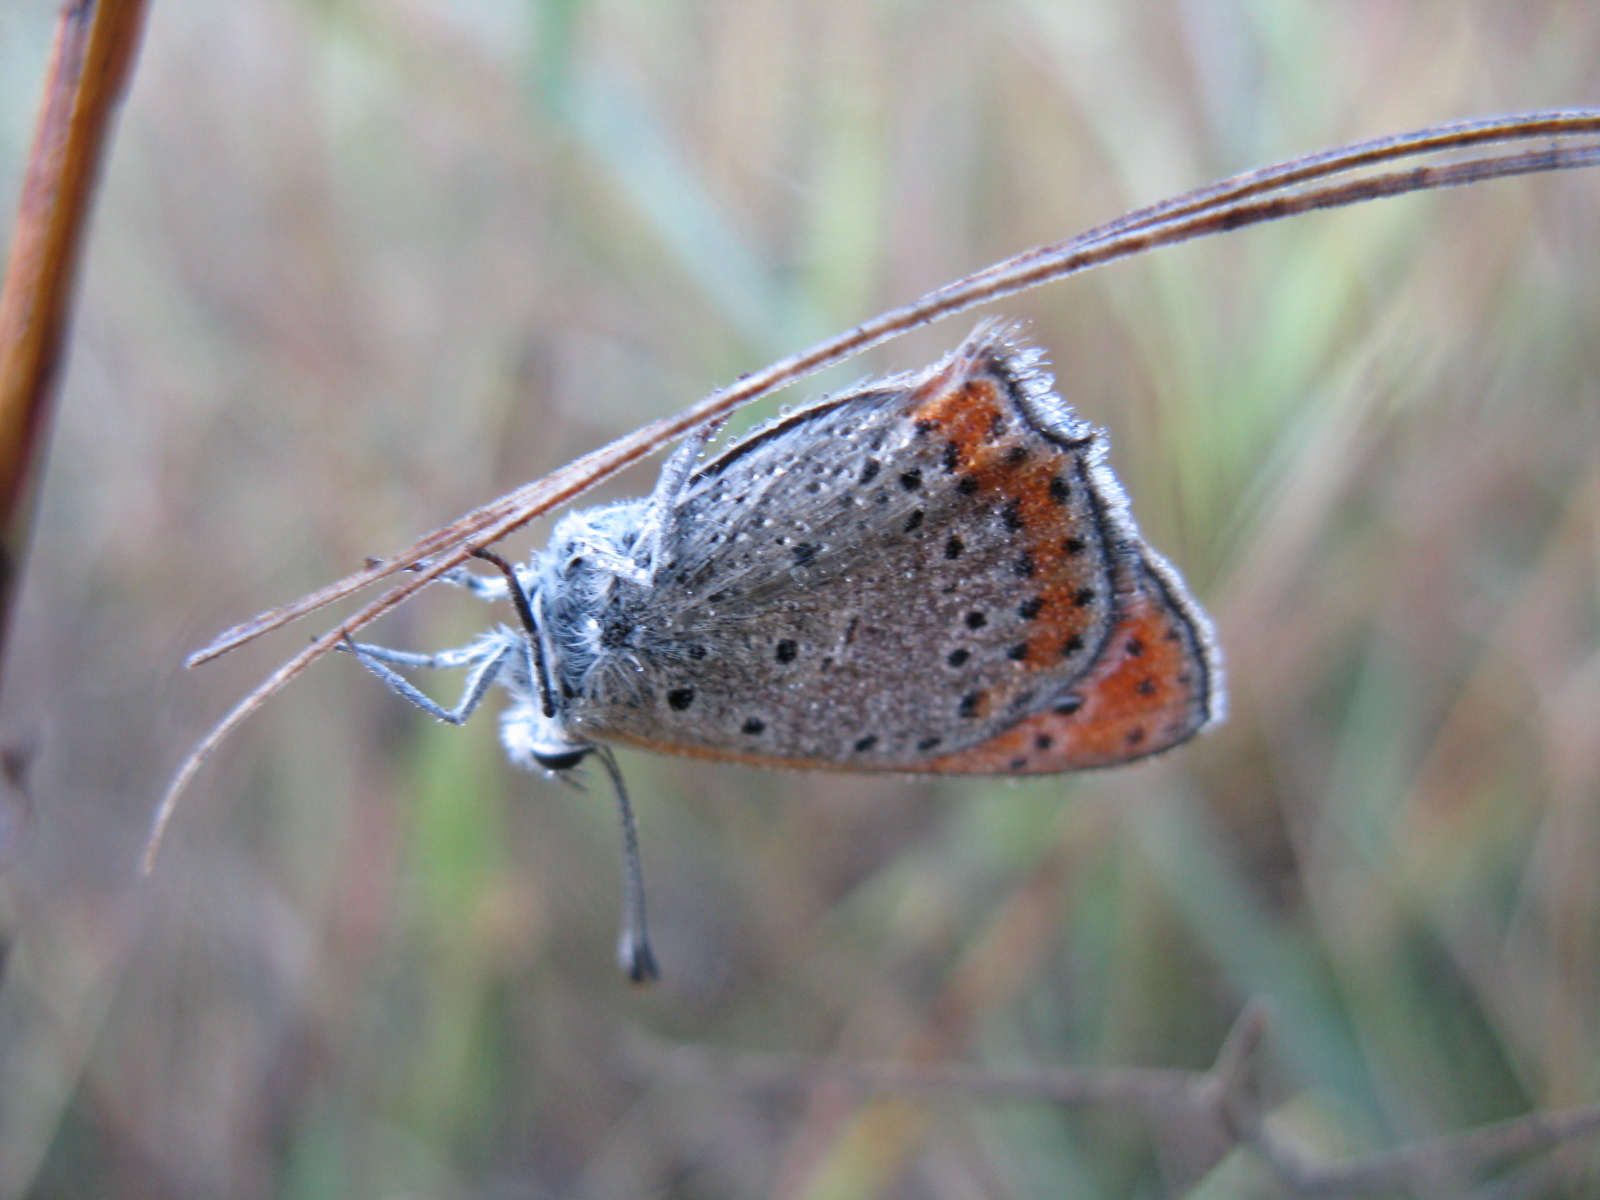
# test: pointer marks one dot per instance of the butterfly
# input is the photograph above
(935, 572)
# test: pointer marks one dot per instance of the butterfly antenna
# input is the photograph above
(519, 600)
(634, 956)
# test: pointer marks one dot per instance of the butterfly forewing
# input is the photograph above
(884, 579)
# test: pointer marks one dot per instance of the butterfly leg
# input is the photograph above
(488, 656)
(639, 565)
(484, 587)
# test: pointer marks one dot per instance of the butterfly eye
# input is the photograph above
(564, 761)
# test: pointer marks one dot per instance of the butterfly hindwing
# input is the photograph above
(1157, 683)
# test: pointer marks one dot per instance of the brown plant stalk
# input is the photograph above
(96, 43)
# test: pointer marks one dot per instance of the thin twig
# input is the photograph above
(1138, 1089)
(1460, 1154)
(1234, 203)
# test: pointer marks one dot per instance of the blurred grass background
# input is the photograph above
(359, 266)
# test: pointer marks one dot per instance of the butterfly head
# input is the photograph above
(535, 741)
